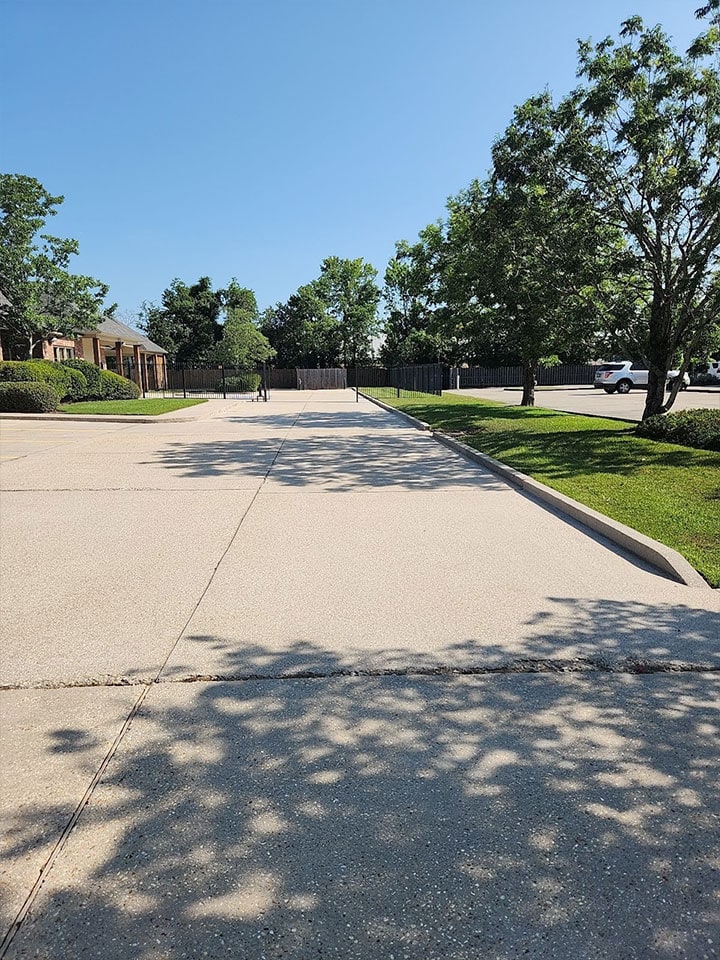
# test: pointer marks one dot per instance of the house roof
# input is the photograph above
(115, 330)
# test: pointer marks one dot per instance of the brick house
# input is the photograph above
(111, 345)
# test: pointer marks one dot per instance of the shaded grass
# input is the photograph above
(668, 492)
(128, 407)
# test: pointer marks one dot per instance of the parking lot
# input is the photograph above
(588, 400)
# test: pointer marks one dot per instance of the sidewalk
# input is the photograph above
(272, 661)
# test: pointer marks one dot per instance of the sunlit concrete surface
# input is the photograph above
(290, 587)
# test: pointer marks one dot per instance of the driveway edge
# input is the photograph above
(664, 558)
(95, 418)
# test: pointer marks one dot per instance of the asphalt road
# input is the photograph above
(586, 399)
(293, 680)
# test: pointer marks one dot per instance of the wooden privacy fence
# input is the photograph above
(333, 378)
(565, 374)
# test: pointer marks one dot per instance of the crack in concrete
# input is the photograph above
(543, 665)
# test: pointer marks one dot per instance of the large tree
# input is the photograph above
(414, 331)
(330, 321)
(351, 298)
(641, 138)
(242, 343)
(526, 249)
(301, 330)
(187, 324)
(44, 299)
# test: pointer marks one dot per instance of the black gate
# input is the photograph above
(210, 382)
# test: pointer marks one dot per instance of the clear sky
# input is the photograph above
(253, 139)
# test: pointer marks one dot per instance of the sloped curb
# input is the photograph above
(663, 558)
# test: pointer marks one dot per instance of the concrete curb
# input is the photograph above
(95, 418)
(665, 559)
(420, 424)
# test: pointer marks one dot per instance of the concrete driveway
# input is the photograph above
(266, 695)
(586, 399)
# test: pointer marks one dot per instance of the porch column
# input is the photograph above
(137, 367)
(97, 355)
(119, 357)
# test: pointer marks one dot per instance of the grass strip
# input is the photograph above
(668, 492)
(131, 408)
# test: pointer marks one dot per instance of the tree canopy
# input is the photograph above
(44, 299)
(330, 321)
(187, 324)
(641, 138)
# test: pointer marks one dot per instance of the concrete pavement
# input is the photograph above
(586, 399)
(569, 815)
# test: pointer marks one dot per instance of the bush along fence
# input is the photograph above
(564, 374)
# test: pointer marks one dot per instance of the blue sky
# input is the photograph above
(229, 138)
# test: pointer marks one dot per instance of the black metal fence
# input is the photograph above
(212, 382)
(564, 374)
(387, 382)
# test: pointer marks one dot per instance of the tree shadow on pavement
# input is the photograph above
(397, 816)
(340, 463)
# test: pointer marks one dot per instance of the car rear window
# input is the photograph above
(610, 366)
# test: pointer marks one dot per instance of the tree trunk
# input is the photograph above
(655, 394)
(529, 371)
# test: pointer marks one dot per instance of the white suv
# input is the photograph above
(623, 375)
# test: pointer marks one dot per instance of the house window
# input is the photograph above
(64, 353)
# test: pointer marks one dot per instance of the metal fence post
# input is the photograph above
(222, 369)
(183, 382)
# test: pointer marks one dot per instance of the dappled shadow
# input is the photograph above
(405, 816)
(610, 633)
(337, 464)
(360, 419)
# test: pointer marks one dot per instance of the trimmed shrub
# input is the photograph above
(36, 371)
(690, 428)
(17, 370)
(77, 388)
(91, 372)
(244, 383)
(115, 387)
(28, 397)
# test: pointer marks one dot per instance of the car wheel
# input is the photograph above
(609, 389)
(625, 386)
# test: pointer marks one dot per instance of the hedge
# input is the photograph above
(28, 397)
(244, 383)
(77, 388)
(37, 371)
(690, 428)
(91, 372)
(115, 387)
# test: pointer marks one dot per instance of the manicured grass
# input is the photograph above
(666, 491)
(147, 408)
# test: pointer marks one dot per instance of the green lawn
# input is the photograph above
(129, 407)
(668, 492)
